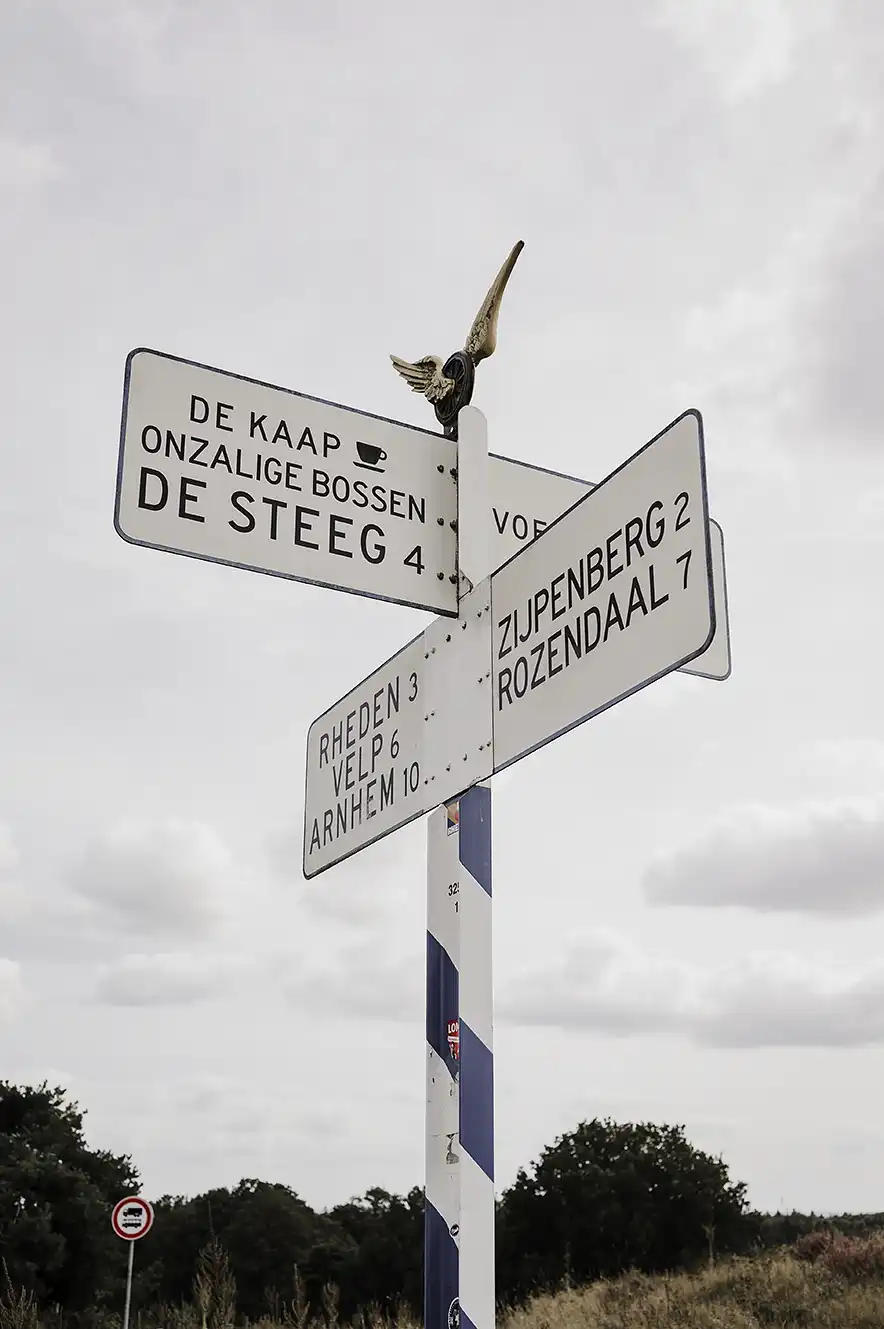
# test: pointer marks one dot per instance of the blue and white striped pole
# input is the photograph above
(459, 1233)
(459, 1287)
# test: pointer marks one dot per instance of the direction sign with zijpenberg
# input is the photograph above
(525, 499)
(612, 596)
(224, 468)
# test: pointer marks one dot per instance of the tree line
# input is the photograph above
(604, 1198)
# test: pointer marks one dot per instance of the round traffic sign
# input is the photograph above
(132, 1217)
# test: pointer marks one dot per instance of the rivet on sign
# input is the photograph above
(479, 680)
(454, 471)
(440, 469)
(453, 577)
(432, 712)
(463, 626)
(448, 638)
(453, 525)
(448, 768)
(441, 576)
(464, 756)
(440, 521)
(481, 747)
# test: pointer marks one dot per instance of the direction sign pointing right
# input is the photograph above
(526, 499)
(615, 594)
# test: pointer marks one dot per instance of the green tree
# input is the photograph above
(56, 1196)
(609, 1197)
(383, 1263)
(264, 1228)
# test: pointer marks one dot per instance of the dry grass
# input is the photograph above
(824, 1282)
(779, 1291)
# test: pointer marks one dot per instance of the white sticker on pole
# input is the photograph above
(613, 595)
(231, 470)
(132, 1217)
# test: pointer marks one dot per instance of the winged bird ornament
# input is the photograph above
(448, 384)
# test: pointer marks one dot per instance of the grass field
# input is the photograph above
(764, 1292)
(821, 1283)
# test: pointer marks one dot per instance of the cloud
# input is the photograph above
(604, 983)
(365, 982)
(25, 165)
(158, 878)
(842, 307)
(170, 979)
(9, 857)
(608, 985)
(11, 990)
(744, 45)
(826, 859)
(849, 759)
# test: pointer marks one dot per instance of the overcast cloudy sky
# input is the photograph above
(689, 891)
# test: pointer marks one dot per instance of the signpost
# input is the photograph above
(555, 600)
(131, 1218)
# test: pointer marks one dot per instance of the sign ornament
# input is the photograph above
(448, 384)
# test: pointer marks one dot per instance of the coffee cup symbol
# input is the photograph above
(370, 456)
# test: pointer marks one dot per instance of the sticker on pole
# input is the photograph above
(132, 1218)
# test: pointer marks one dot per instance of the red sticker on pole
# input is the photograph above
(132, 1217)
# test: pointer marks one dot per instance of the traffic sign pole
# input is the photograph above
(132, 1218)
(129, 1285)
(459, 1282)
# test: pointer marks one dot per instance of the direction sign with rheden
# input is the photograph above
(227, 469)
(132, 1217)
(612, 596)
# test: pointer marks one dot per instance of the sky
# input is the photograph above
(689, 889)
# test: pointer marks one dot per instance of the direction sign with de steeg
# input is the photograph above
(231, 470)
(612, 596)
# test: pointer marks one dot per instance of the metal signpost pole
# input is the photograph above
(459, 1283)
(131, 1219)
(129, 1285)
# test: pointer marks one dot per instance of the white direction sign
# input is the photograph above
(228, 469)
(415, 732)
(364, 760)
(613, 595)
(526, 499)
